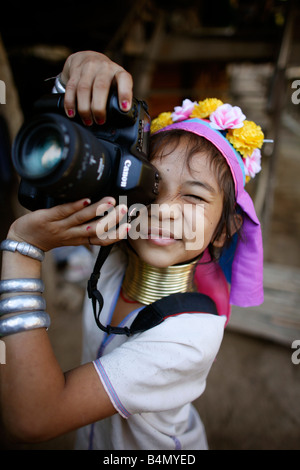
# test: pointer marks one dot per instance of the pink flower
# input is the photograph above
(253, 163)
(227, 117)
(183, 112)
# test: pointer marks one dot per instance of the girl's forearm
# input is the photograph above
(31, 371)
(15, 265)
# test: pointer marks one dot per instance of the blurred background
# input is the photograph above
(246, 52)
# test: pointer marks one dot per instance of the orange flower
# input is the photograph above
(205, 108)
(247, 138)
(162, 120)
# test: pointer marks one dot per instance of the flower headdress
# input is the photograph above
(246, 137)
(239, 141)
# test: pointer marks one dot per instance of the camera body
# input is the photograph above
(60, 160)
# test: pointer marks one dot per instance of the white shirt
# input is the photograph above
(152, 377)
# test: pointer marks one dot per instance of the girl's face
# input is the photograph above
(181, 223)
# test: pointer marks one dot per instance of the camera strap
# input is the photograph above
(153, 314)
(94, 293)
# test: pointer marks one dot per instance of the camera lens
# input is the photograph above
(42, 152)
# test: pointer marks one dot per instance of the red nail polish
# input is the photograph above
(88, 122)
(70, 112)
(125, 105)
(86, 203)
(100, 121)
(88, 228)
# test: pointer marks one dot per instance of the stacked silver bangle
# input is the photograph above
(25, 322)
(26, 311)
(23, 248)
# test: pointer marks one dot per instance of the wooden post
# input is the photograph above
(11, 109)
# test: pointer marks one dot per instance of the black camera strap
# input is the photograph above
(171, 306)
(94, 293)
(153, 314)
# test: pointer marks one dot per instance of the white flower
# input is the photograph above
(227, 117)
(183, 112)
(253, 163)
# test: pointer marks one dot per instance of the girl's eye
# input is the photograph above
(193, 196)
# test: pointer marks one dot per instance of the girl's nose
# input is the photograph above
(166, 209)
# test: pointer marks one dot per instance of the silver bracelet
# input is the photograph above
(22, 303)
(23, 248)
(9, 286)
(59, 86)
(25, 322)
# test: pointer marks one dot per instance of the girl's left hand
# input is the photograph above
(72, 224)
(88, 77)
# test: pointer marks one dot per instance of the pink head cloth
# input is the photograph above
(246, 265)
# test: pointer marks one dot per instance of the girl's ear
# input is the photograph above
(235, 225)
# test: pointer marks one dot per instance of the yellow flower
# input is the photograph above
(205, 108)
(162, 120)
(246, 139)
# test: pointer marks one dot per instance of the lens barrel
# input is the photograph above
(60, 157)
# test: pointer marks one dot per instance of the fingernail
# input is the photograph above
(124, 210)
(86, 202)
(88, 228)
(100, 122)
(70, 112)
(88, 122)
(125, 105)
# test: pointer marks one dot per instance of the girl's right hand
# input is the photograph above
(88, 77)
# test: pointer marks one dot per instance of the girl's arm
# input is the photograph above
(38, 401)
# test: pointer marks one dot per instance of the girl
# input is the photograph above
(135, 392)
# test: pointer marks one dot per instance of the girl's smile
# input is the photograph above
(159, 236)
(161, 240)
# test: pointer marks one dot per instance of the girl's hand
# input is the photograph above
(72, 224)
(88, 77)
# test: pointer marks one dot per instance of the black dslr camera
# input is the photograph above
(60, 160)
